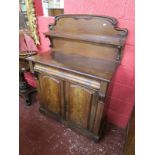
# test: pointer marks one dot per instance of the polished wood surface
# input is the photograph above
(51, 100)
(95, 68)
(88, 38)
(85, 49)
(73, 77)
(89, 82)
(79, 105)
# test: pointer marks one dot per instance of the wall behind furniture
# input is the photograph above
(120, 100)
(38, 7)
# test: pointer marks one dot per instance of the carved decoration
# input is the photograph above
(32, 20)
(101, 97)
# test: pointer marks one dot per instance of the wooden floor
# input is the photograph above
(42, 135)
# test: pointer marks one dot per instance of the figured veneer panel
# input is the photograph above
(52, 88)
(79, 105)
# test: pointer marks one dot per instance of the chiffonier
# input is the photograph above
(74, 75)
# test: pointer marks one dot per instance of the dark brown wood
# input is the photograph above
(129, 148)
(100, 108)
(49, 60)
(109, 40)
(80, 100)
(74, 75)
(51, 100)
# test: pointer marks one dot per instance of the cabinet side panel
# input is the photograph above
(79, 105)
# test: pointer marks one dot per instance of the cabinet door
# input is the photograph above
(80, 101)
(51, 93)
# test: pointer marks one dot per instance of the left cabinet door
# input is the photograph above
(51, 94)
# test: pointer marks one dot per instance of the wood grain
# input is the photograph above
(79, 105)
(86, 49)
(52, 88)
(67, 76)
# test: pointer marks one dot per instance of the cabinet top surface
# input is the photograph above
(86, 44)
(64, 64)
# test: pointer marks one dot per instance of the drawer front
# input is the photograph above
(67, 76)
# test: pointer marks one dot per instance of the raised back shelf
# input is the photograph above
(87, 41)
(106, 39)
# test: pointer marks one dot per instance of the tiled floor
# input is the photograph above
(41, 135)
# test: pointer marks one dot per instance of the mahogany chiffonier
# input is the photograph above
(74, 76)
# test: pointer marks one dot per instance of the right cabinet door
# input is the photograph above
(81, 105)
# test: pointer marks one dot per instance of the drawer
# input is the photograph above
(67, 76)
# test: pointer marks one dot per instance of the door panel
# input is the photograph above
(79, 105)
(51, 93)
